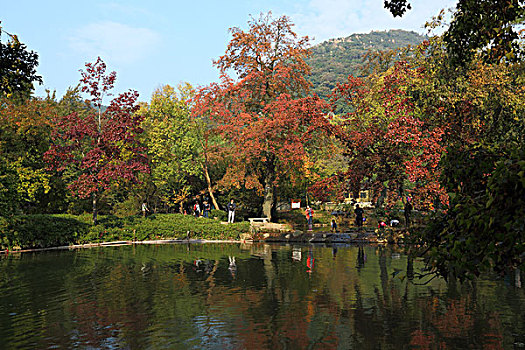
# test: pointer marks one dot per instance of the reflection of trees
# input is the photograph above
(142, 297)
(453, 325)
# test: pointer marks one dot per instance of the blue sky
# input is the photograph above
(151, 43)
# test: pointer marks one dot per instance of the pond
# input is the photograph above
(232, 296)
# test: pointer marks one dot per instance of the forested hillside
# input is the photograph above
(333, 60)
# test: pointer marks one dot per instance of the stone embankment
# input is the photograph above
(264, 231)
(324, 237)
(280, 234)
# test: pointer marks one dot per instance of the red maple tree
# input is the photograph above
(99, 147)
(264, 115)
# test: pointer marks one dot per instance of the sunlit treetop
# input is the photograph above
(494, 28)
(269, 52)
(17, 67)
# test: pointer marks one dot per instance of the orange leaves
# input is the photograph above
(265, 122)
(271, 54)
(32, 113)
(389, 142)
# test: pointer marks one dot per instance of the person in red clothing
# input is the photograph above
(309, 213)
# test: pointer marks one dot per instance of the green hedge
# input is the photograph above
(40, 231)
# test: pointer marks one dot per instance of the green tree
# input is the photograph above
(492, 27)
(17, 67)
(24, 137)
(173, 145)
(481, 111)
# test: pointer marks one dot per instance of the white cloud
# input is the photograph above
(324, 19)
(114, 42)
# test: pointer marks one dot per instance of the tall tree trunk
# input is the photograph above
(269, 188)
(208, 181)
(207, 174)
(95, 211)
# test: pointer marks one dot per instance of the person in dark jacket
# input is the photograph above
(206, 209)
(358, 215)
(231, 211)
(408, 211)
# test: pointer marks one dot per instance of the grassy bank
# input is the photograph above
(42, 231)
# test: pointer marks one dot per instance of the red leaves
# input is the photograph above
(266, 125)
(102, 147)
(388, 140)
(269, 57)
(95, 82)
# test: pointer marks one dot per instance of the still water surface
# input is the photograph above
(230, 296)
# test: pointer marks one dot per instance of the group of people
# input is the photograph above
(359, 218)
(201, 212)
(206, 208)
(309, 213)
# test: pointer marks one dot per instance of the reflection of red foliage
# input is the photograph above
(421, 340)
(493, 339)
(310, 263)
(457, 322)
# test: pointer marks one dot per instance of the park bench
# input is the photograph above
(262, 220)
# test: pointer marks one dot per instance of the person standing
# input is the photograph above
(309, 213)
(333, 226)
(408, 211)
(358, 215)
(206, 209)
(197, 209)
(144, 209)
(231, 211)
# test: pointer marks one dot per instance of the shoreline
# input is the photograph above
(309, 238)
(117, 244)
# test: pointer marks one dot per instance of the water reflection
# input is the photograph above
(249, 296)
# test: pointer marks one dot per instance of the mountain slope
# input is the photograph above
(333, 60)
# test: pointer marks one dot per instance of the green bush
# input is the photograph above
(130, 206)
(177, 225)
(39, 231)
(219, 214)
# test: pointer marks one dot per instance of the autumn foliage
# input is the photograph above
(99, 149)
(415, 125)
(392, 148)
(265, 115)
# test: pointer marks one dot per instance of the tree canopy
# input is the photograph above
(101, 148)
(17, 67)
(492, 27)
(264, 116)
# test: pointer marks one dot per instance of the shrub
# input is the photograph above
(219, 214)
(39, 231)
